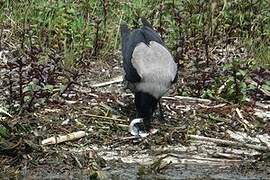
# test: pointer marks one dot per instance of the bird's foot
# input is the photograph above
(143, 134)
(135, 128)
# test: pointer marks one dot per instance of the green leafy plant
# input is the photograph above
(234, 83)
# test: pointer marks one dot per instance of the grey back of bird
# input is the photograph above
(148, 64)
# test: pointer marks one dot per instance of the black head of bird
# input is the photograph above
(149, 68)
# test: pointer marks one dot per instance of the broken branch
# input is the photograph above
(63, 138)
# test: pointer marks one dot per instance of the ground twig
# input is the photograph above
(229, 143)
(113, 81)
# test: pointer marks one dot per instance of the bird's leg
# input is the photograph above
(161, 114)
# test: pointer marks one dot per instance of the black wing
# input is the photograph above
(129, 42)
(131, 74)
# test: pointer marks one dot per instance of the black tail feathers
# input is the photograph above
(124, 29)
(146, 23)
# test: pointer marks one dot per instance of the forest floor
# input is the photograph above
(55, 57)
(200, 139)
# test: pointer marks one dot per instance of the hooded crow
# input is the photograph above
(149, 69)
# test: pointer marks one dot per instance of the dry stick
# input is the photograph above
(227, 142)
(88, 92)
(105, 117)
(186, 98)
(262, 105)
(243, 120)
(212, 107)
(226, 155)
(2, 111)
(63, 138)
(198, 158)
(115, 80)
(243, 137)
(105, 122)
(183, 98)
(129, 138)
(77, 161)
